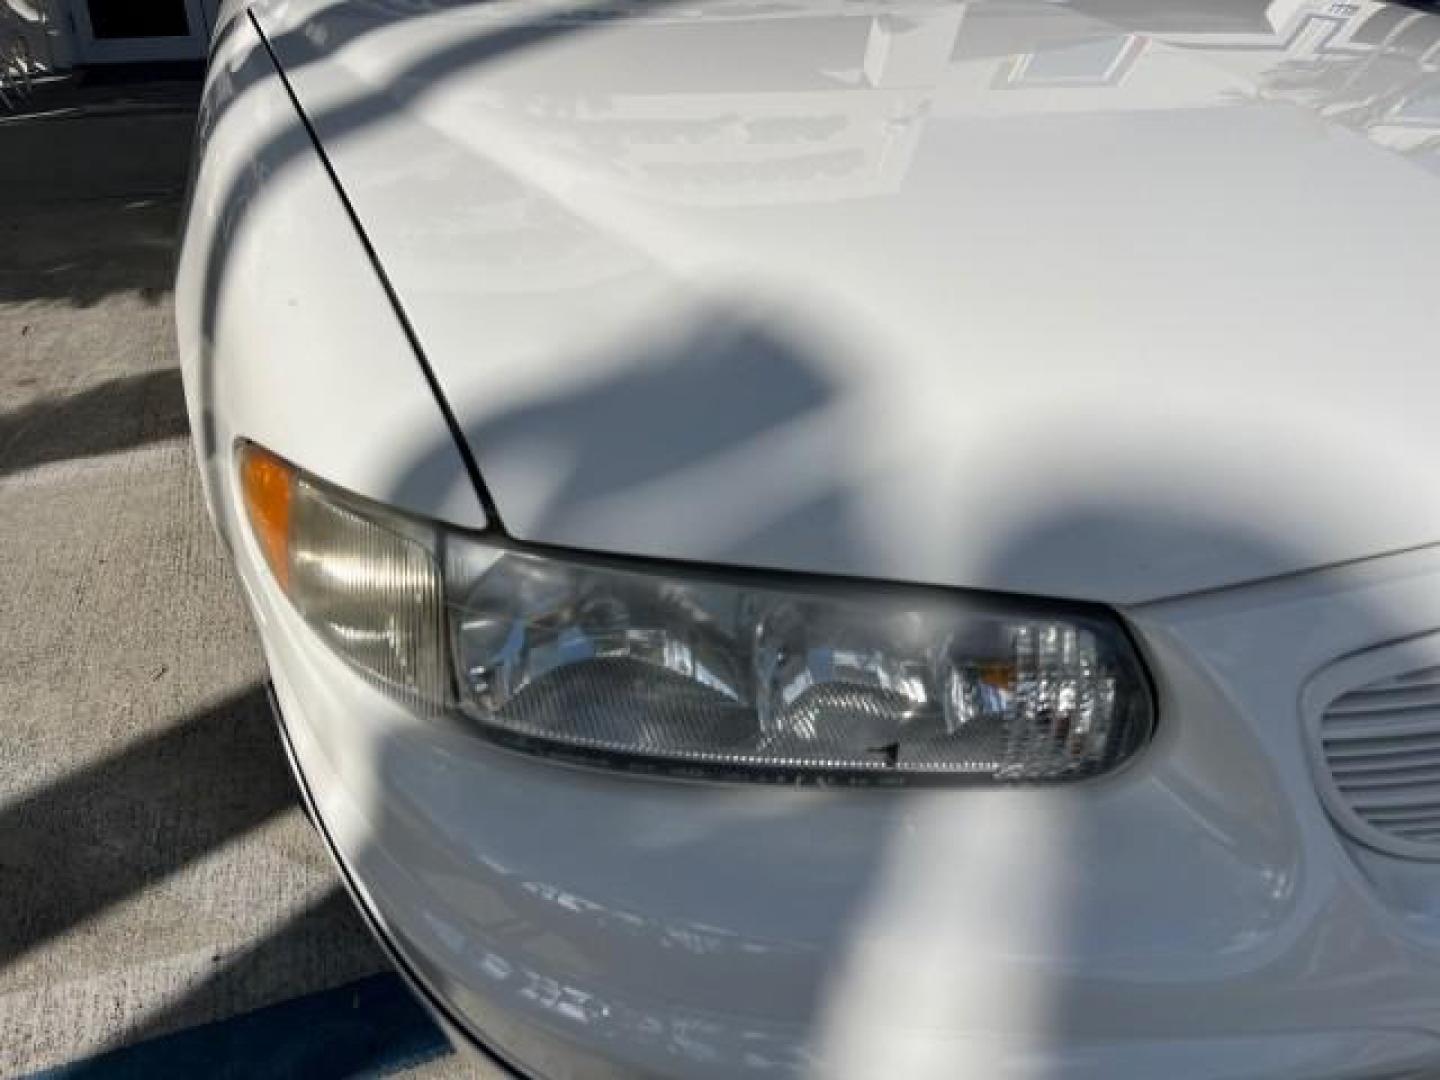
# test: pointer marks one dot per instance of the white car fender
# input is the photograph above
(287, 333)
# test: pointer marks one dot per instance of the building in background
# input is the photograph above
(56, 35)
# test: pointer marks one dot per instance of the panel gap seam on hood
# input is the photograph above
(482, 493)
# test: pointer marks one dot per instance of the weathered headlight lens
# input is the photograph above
(367, 582)
(706, 673)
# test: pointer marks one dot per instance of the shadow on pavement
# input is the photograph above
(384, 1024)
(372, 1027)
(107, 830)
(80, 252)
(90, 199)
(117, 414)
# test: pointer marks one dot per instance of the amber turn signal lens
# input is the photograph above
(269, 487)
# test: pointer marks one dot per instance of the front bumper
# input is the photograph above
(1194, 915)
(453, 1026)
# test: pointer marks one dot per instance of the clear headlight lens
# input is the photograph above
(697, 672)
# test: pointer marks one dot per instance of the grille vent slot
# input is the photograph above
(1379, 745)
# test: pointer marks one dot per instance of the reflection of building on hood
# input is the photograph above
(1371, 66)
(773, 109)
(789, 105)
(819, 104)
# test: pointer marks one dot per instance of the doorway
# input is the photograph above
(121, 31)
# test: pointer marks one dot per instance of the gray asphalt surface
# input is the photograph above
(155, 869)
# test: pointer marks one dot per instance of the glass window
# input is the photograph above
(111, 19)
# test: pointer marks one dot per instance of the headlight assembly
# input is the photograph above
(703, 673)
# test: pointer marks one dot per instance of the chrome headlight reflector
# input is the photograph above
(703, 673)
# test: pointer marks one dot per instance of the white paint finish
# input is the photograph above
(1116, 305)
(1194, 916)
(602, 327)
(1267, 644)
(286, 335)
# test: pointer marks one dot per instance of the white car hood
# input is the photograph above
(1098, 300)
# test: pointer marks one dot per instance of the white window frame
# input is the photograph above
(92, 50)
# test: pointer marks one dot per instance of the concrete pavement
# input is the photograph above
(155, 869)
